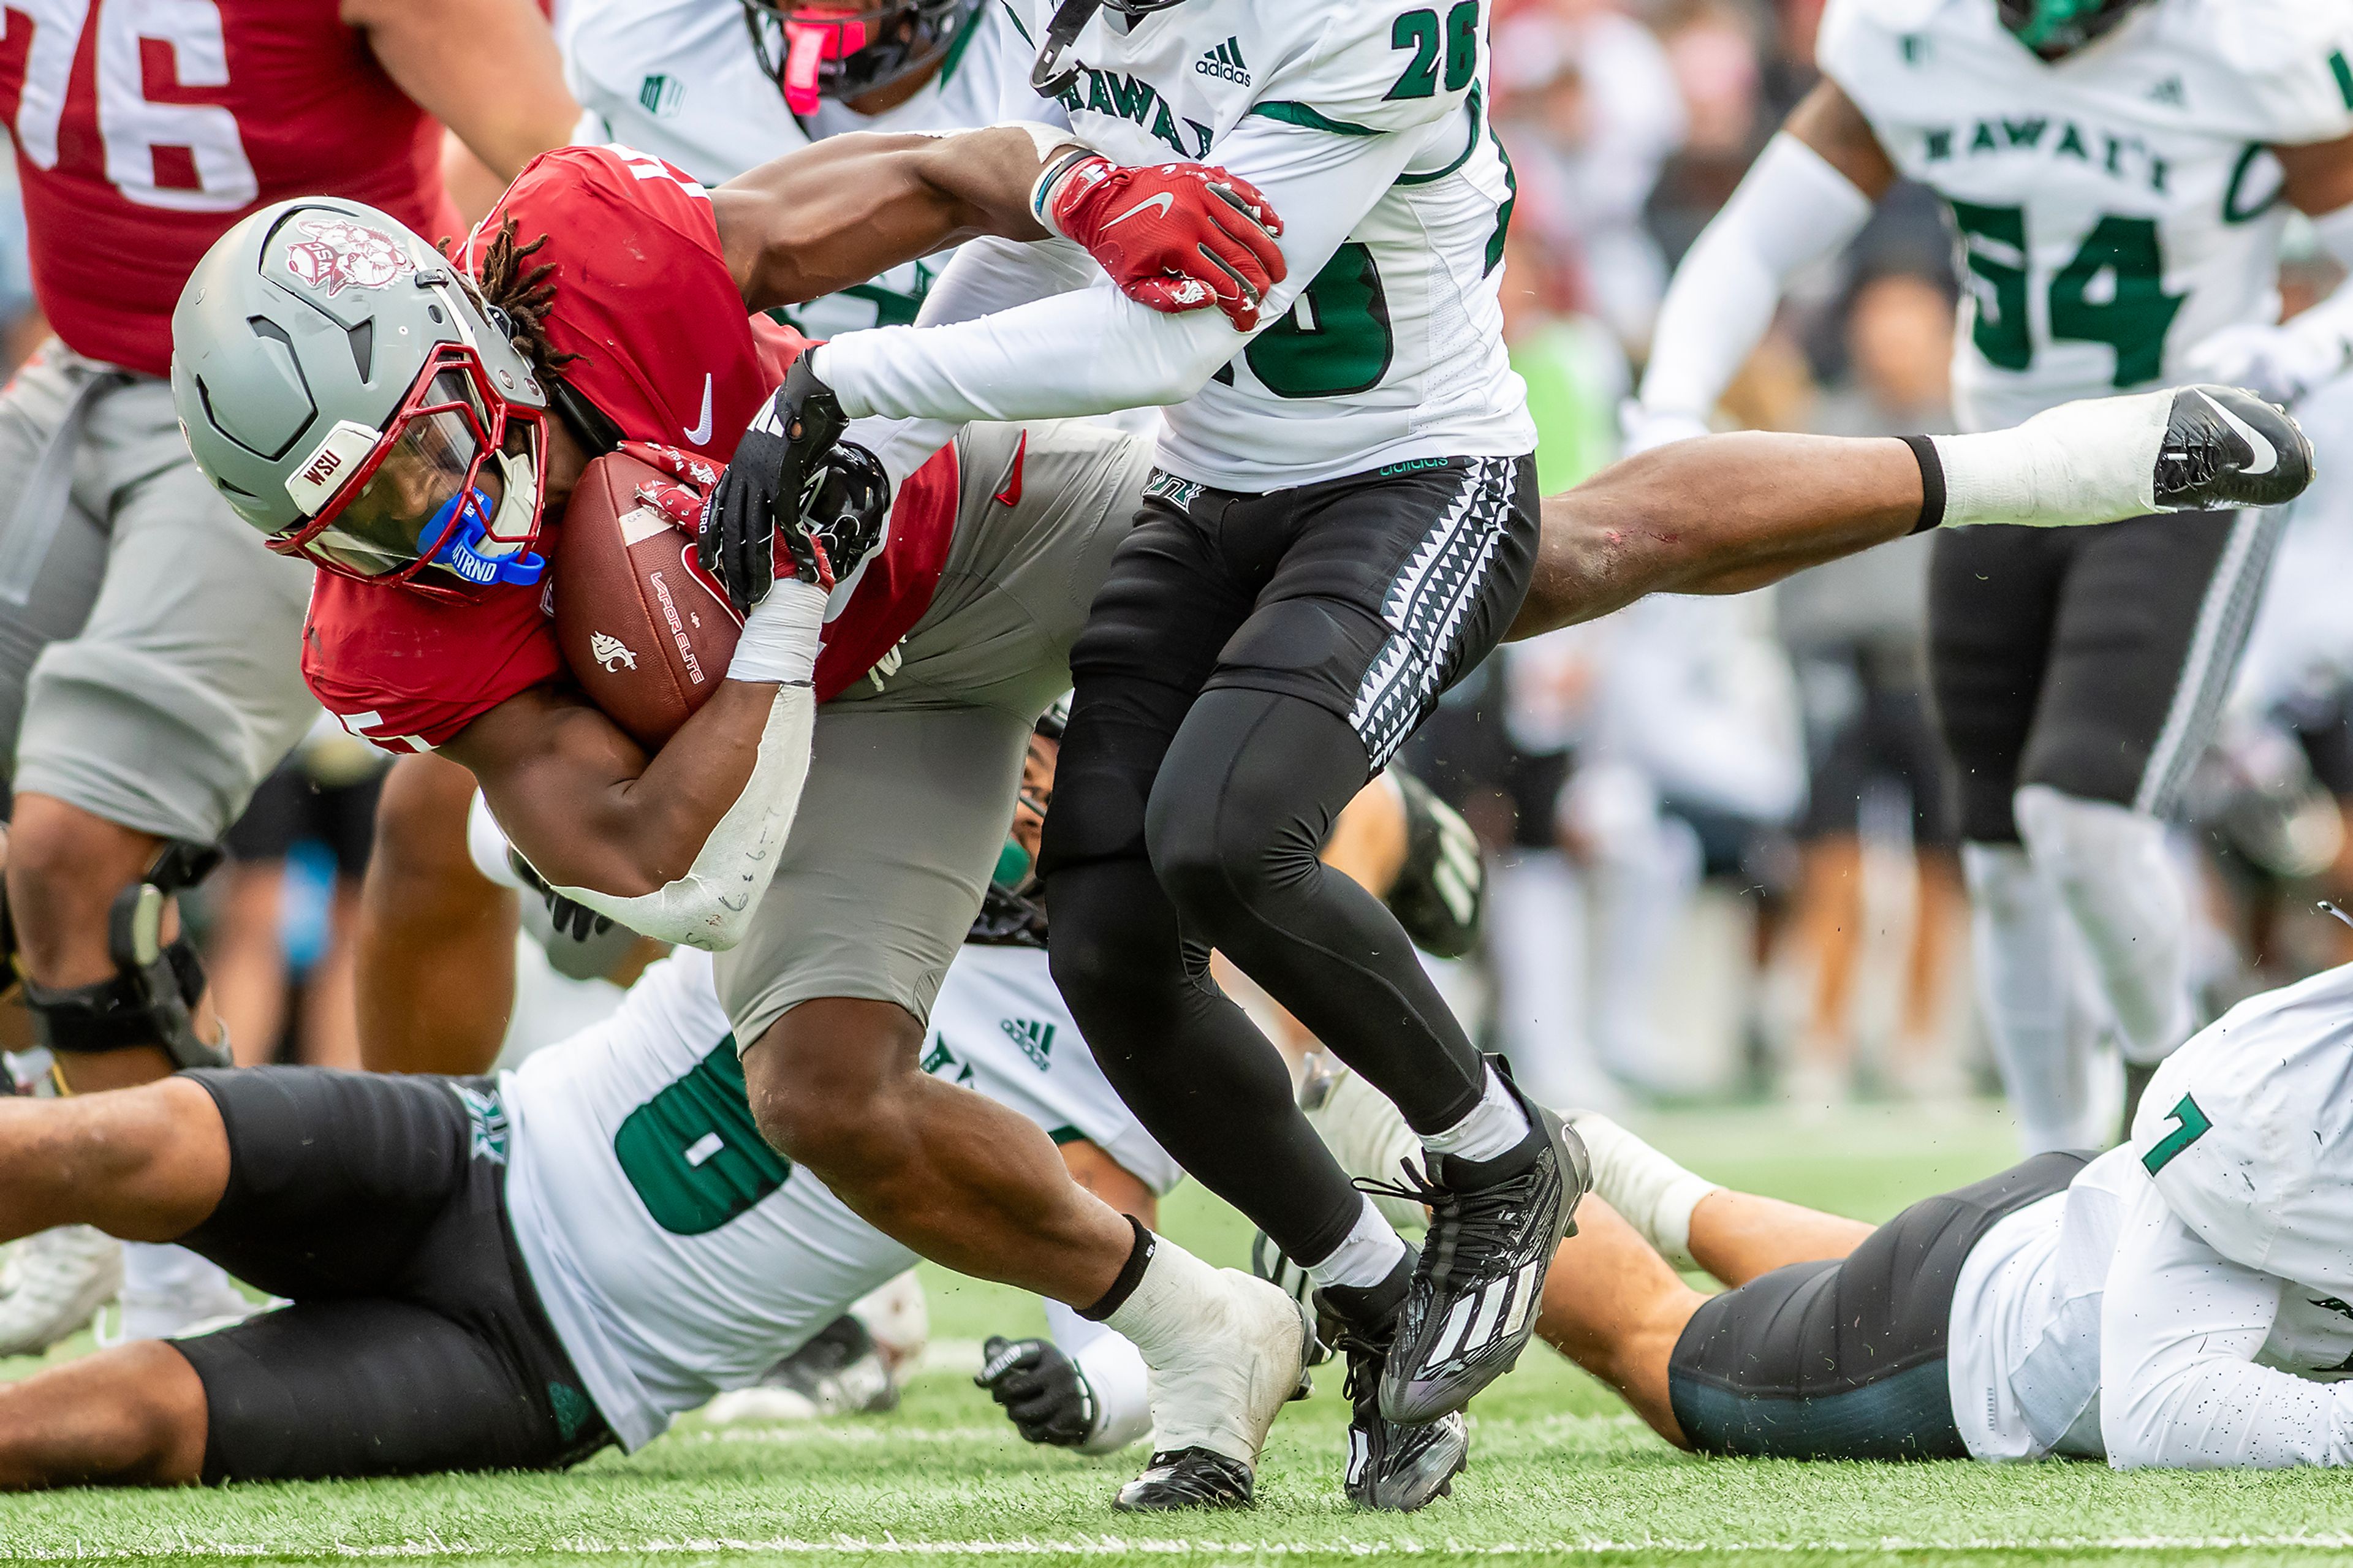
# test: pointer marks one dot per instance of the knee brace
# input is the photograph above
(150, 1000)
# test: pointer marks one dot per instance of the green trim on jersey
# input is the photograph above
(1291, 114)
(1014, 16)
(1478, 129)
(2343, 71)
(954, 57)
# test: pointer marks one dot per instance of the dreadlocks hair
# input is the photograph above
(517, 298)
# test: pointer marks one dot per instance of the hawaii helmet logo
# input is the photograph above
(340, 253)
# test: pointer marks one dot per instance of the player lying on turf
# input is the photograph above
(2179, 1302)
(936, 653)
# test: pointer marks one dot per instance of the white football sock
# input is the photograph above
(2025, 957)
(2084, 462)
(1114, 1372)
(1223, 1349)
(1367, 1255)
(1650, 1191)
(2111, 869)
(1493, 1127)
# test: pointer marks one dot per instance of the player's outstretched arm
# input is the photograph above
(835, 213)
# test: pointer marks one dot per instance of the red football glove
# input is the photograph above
(1175, 237)
(680, 502)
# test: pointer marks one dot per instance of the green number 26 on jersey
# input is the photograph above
(2113, 291)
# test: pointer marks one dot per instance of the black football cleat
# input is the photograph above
(1494, 1226)
(1188, 1477)
(1391, 1467)
(2224, 447)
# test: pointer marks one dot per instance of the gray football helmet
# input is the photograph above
(354, 400)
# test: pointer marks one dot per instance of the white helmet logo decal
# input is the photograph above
(340, 253)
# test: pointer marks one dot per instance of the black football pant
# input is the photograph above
(1249, 663)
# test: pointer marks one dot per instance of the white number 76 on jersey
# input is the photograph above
(130, 127)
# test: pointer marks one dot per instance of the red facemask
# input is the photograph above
(814, 34)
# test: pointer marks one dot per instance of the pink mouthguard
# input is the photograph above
(812, 37)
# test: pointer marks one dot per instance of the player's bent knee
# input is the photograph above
(824, 1079)
(65, 868)
(133, 1416)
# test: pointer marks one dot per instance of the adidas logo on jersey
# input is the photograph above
(1036, 1040)
(610, 652)
(2171, 91)
(660, 96)
(1225, 61)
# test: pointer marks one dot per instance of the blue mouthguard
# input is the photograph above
(459, 553)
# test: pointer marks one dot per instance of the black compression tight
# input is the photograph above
(1243, 801)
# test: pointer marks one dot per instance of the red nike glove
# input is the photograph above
(680, 502)
(1175, 237)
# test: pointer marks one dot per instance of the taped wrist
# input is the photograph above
(711, 906)
(781, 636)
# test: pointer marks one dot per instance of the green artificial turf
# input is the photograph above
(1559, 1469)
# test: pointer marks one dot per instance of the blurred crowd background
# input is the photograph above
(1721, 848)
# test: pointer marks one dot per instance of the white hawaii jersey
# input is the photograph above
(2116, 207)
(679, 79)
(1000, 1025)
(679, 1255)
(1365, 123)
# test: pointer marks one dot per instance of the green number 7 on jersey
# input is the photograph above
(2189, 1125)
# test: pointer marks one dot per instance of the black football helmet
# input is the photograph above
(1050, 76)
(2055, 28)
(846, 52)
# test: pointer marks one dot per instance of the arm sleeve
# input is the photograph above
(1793, 209)
(2180, 1328)
(1019, 365)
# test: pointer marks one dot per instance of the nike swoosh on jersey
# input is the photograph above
(699, 431)
(1010, 493)
(1164, 202)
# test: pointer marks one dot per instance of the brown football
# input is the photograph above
(647, 633)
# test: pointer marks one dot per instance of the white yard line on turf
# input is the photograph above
(1114, 1546)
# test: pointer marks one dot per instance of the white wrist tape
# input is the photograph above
(781, 636)
(1048, 138)
(711, 906)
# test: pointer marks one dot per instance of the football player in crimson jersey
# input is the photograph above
(442, 413)
(146, 641)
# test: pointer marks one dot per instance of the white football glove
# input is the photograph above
(2280, 364)
(1641, 429)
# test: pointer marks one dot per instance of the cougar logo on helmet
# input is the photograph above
(340, 253)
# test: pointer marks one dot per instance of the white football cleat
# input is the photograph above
(1242, 1358)
(53, 1284)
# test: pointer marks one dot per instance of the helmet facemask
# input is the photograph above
(452, 480)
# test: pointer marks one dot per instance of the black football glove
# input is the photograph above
(768, 487)
(1041, 1388)
(575, 921)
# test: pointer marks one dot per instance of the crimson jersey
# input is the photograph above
(667, 353)
(144, 130)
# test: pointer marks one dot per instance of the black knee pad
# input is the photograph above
(149, 1000)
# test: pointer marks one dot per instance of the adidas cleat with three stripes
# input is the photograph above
(1493, 1227)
